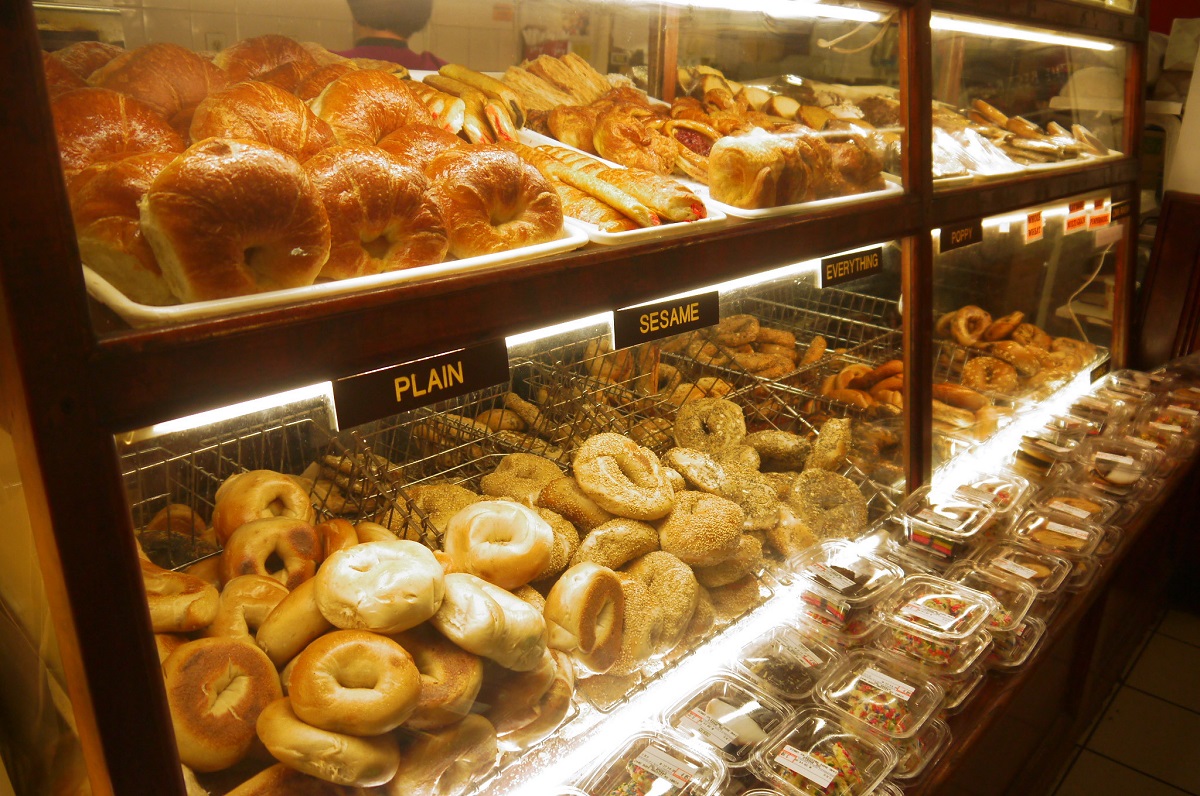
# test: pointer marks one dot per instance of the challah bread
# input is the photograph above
(489, 621)
(250, 58)
(95, 124)
(419, 144)
(104, 206)
(491, 201)
(381, 216)
(85, 57)
(365, 105)
(59, 79)
(231, 217)
(262, 112)
(169, 78)
(216, 688)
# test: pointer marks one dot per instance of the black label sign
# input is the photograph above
(962, 235)
(849, 267)
(1121, 210)
(1101, 370)
(633, 325)
(398, 388)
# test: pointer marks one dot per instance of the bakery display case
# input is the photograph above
(729, 288)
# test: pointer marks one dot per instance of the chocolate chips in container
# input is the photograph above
(838, 581)
(786, 663)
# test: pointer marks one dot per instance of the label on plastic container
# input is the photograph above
(1168, 427)
(938, 619)
(806, 765)
(1074, 511)
(897, 688)
(971, 493)
(1145, 443)
(1115, 458)
(1182, 410)
(800, 652)
(1093, 403)
(661, 764)
(1067, 530)
(835, 579)
(709, 728)
(1050, 446)
(940, 520)
(1015, 568)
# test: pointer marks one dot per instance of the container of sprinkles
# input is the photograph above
(1014, 597)
(945, 525)
(937, 607)
(786, 663)
(917, 753)
(657, 764)
(931, 656)
(821, 755)
(838, 581)
(730, 715)
(879, 693)
(1006, 493)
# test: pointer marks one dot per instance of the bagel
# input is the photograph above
(757, 500)
(585, 615)
(623, 478)
(386, 587)
(354, 682)
(989, 374)
(709, 424)
(746, 559)
(671, 590)
(246, 602)
(1001, 328)
(450, 678)
(952, 415)
(484, 619)
(847, 376)
(642, 632)
(292, 625)
(969, 324)
(698, 469)
(566, 542)
(736, 330)
(520, 476)
(563, 496)
(258, 543)
(508, 698)
(216, 689)
(336, 534)
(179, 602)
(780, 450)
(814, 352)
(503, 542)
(832, 445)
(1016, 355)
(615, 543)
(446, 761)
(959, 396)
(1029, 335)
(548, 712)
(281, 780)
(893, 367)
(331, 756)
(828, 504)
(702, 529)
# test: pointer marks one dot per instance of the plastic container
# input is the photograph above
(1119, 464)
(888, 789)
(1006, 493)
(1043, 571)
(1014, 597)
(1185, 415)
(820, 754)
(1058, 534)
(1074, 501)
(838, 582)
(1082, 575)
(1184, 395)
(730, 715)
(1018, 651)
(657, 763)
(858, 632)
(937, 608)
(1123, 388)
(786, 663)
(916, 754)
(1046, 608)
(1103, 410)
(931, 656)
(1157, 383)
(879, 693)
(1039, 451)
(960, 688)
(1072, 426)
(1110, 543)
(944, 525)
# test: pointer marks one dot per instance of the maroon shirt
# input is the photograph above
(393, 50)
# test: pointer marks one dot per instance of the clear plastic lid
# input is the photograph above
(1152, 382)
(1128, 498)
(1172, 415)
(1043, 571)
(887, 789)
(1039, 450)
(658, 763)
(1184, 395)
(1073, 426)
(1067, 498)
(1057, 533)
(1101, 409)
(1123, 387)
(911, 557)
(937, 608)
(881, 693)
(948, 515)
(1117, 463)
(820, 754)
(1015, 597)
(960, 688)
(786, 662)
(1082, 575)
(1110, 543)
(1046, 607)
(836, 578)
(932, 656)
(1018, 651)
(856, 632)
(1168, 437)
(916, 754)
(1006, 493)
(729, 714)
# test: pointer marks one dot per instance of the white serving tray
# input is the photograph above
(143, 315)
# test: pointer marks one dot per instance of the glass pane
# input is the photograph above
(1011, 101)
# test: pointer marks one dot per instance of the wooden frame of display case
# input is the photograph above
(72, 377)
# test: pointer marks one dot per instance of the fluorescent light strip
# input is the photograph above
(784, 9)
(558, 328)
(309, 394)
(955, 25)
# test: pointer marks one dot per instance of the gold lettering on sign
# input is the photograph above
(668, 318)
(852, 265)
(414, 385)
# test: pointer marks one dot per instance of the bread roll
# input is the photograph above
(489, 621)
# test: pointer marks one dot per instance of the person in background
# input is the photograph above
(382, 29)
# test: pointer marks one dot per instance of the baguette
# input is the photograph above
(663, 195)
(552, 168)
(491, 87)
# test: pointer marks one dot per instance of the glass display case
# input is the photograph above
(672, 291)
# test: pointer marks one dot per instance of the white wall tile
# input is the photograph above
(214, 6)
(336, 35)
(451, 43)
(134, 27)
(207, 25)
(179, 5)
(168, 24)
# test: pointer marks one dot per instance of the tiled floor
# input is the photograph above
(1147, 740)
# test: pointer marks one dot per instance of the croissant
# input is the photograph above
(167, 77)
(262, 112)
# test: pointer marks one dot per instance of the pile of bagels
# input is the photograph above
(275, 164)
(350, 656)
